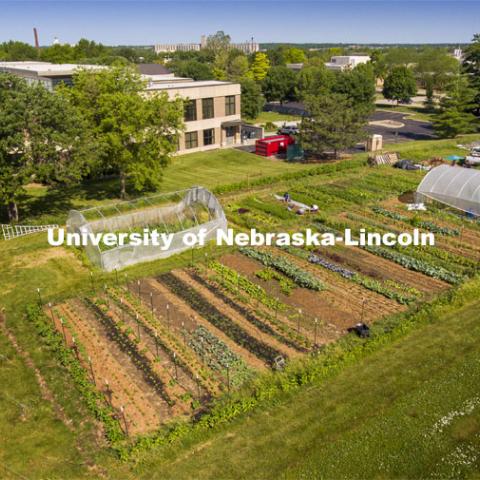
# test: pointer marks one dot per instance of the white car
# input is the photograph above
(288, 130)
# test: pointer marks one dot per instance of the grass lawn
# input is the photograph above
(410, 410)
(265, 117)
(207, 169)
(374, 419)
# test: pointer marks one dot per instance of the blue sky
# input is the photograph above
(149, 22)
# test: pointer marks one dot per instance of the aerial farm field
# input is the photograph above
(164, 353)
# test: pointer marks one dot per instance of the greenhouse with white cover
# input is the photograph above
(174, 213)
(454, 186)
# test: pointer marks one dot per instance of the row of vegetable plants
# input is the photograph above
(417, 222)
(95, 400)
(391, 290)
(439, 256)
(233, 282)
(175, 349)
(219, 357)
(286, 284)
(218, 319)
(247, 314)
(298, 275)
(406, 261)
(121, 336)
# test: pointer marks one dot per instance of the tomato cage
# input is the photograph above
(174, 213)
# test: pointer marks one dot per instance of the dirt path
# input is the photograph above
(235, 316)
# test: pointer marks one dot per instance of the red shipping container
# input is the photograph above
(269, 146)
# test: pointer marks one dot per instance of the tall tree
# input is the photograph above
(279, 84)
(471, 66)
(357, 84)
(42, 138)
(313, 80)
(334, 123)
(455, 115)
(137, 134)
(238, 68)
(260, 66)
(399, 84)
(252, 98)
(436, 66)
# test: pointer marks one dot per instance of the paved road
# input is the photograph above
(412, 129)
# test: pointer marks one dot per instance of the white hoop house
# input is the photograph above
(171, 213)
(457, 187)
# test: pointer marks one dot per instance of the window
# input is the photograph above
(230, 105)
(191, 140)
(209, 137)
(207, 108)
(190, 111)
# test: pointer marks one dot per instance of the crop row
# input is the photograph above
(235, 280)
(121, 337)
(298, 275)
(399, 258)
(248, 315)
(95, 400)
(416, 222)
(218, 356)
(219, 320)
(395, 293)
(167, 341)
(286, 285)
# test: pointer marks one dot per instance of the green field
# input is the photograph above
(265, 117)
(373, 417)
(208, 169)
(379, 418)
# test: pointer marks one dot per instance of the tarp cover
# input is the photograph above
(457, 187)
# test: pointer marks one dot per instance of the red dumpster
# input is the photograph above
(272, 145)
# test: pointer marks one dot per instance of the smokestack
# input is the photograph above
(35, 35)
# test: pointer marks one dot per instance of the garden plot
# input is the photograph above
(338, 307)
(382, 269)
(111, 368)
(234, 315)
(252, 302)
(183, 316)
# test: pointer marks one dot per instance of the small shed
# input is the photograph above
(454, 186)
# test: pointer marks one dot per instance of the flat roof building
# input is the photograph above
(46, 73)
(245, 47)
(346, 62)
(212, 108)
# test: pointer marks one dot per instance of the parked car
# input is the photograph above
(288, 130)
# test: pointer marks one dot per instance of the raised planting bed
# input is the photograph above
(248, 315)
(298, 275)
(219, 320)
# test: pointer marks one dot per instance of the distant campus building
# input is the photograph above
(246, 47)
(346, 62)
(212, 108)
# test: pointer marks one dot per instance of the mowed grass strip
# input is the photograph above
(378, 418)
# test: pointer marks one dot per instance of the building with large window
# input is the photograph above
(211, 112)
(212, 108)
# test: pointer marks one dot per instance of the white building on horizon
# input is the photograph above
(346, 62)
(245, 47)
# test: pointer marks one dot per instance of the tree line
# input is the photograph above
(103, 124)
